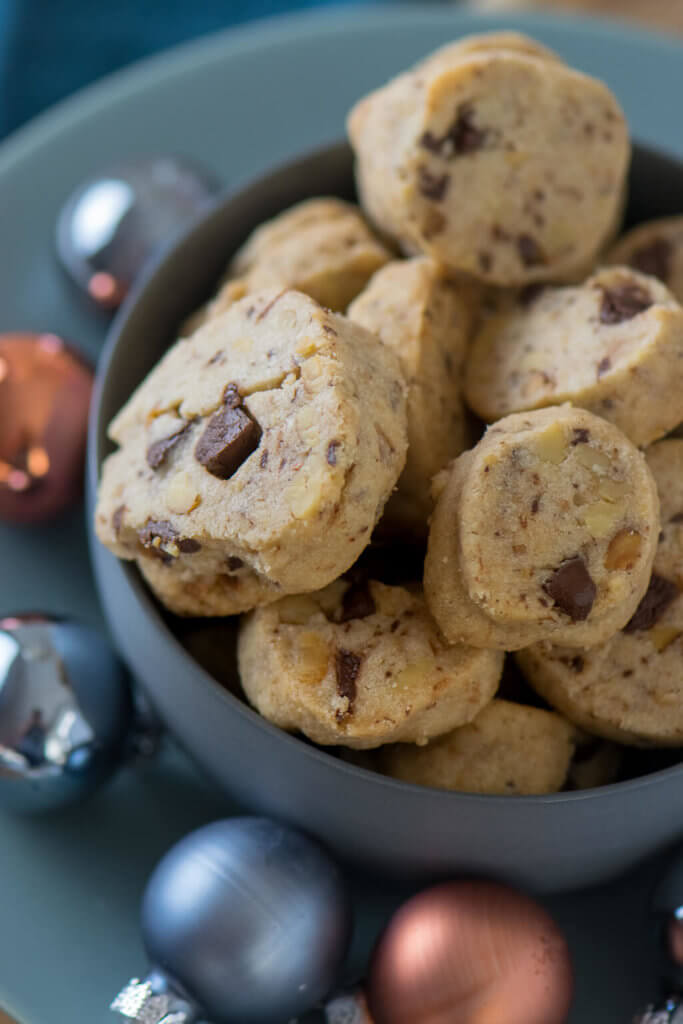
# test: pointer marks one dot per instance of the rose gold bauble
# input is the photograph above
(470, 953)
(44, 401)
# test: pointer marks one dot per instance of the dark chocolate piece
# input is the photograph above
(158, 450)
(229, 438)
(581, 435)
(462, 137)
(657, 599)
(530, 251)
(332, 452)
(623, 302)
(188, 546)
(347, 667)
(572, 589)
(433, 186)
(358, 602)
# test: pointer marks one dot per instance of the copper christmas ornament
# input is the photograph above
(44, 401)
(470, 953)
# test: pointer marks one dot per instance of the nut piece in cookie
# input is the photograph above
(631, 688)
(546, 530)
(427, 320)
(503, 164)
(361, 664)
(654, 248)
(269, 440)
(613, 345)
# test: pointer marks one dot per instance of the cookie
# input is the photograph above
(517, 42)
(507, 749)
(361, 664)
(273, 436)
(426, 319)
(613, 345)
(654, 248)
(321, 247)
(185, 592)
(546, 530)
(504, 165)
(631, 688)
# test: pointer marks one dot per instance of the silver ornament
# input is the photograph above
(65, 710)
(111, 225)
(244, 921)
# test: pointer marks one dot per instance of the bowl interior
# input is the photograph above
(187, 274)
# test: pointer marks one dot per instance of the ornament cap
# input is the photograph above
(140, 1002)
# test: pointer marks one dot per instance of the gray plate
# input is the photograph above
(69, 888)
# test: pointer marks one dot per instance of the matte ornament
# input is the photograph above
(470, 952)
(113, 223)
(65, 710)
(244, 920)
(44, 402)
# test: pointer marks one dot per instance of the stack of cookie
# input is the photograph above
(310, 452)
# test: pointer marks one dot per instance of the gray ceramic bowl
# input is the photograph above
(546, 843)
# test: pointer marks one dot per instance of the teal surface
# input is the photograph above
(239, 102)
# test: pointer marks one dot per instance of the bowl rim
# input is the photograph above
(134, 582)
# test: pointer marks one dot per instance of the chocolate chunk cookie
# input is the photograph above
(546, 530)
(654, 248)
(426, 319)
(321, 247)
(361, 664)
(631, 688)
(269, 442)
(505, 165)
(613, 345)
(507, 749)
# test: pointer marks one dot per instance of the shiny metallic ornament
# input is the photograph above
(469, 952)
(45, 393)
(65, 711)
(114, 222)
(243, 920)
(670, 1011)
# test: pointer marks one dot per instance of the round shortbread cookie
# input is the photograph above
(361, 664)
(546, 530)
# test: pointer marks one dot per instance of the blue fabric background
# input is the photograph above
(49, 48)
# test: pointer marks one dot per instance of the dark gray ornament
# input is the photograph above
(245, 920)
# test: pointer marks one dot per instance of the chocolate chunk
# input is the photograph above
(332, 452)
(623, 303)
(156, 528)
(347, 667)
(531, 292)
(657, 599)
(230, 436)
(234, 563)
(358, 602)
(581, 436)
(535, 505)
(433, 186)
(188, 546)
(117, 518)
(462, 137)
(466, 137)
(654, 259)
(572, 589)
(530, 251)
(158, 450)
(577, 663)
(604, 365)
